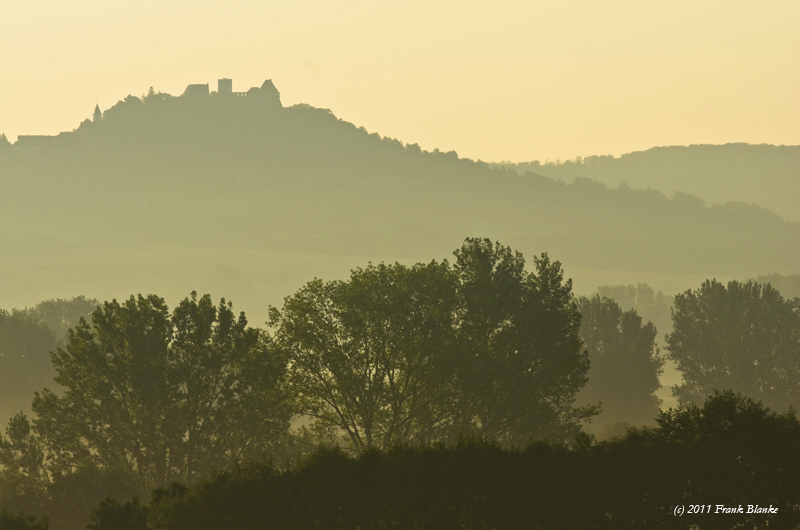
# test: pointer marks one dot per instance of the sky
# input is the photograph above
(501, 80)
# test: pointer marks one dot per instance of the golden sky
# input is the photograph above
(501, 80)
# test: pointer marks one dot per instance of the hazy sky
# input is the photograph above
(518, 81)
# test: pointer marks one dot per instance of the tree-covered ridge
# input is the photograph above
(761, 174)
(300, 179)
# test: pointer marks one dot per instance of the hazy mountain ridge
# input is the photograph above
(226, 171)
(768, 175)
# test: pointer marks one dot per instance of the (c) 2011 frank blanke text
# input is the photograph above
(722, 509)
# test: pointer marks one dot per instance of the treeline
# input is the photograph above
(206, 168)
(730, 450)
(731, 453)
(395, 356)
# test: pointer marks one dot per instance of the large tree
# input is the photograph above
(625, 362)
(369, 356)
(399, 354)
(165, 396)
(521, 360)
(744, 337)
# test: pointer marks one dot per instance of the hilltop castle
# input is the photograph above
(267, 93)
(225, 88)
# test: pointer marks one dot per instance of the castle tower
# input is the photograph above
(225, 86)
(97, 116)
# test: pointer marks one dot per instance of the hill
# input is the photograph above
(767, 175)
(245, 174)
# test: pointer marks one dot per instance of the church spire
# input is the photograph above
(97, 114)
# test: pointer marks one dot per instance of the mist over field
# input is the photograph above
(368, 283)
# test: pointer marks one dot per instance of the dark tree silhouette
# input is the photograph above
(23, 475)
(649, 304)
(113, 515)
(730, 449)
(164, 396)
(625, 362)
(10, 521)
(745, 336)
(369, 355)
(521, 360)
(400, 354)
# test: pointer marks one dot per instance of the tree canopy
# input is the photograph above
(423, 353)
(62, 314)
(744, 337)
(10, 521)
(25, 346)
(165, 396)
(369, 356)
(625, 362)
(649, 304)
(521, 359)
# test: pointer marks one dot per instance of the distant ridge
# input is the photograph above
(764, 174)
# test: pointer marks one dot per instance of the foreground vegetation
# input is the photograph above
(439, 368)
(730, 452)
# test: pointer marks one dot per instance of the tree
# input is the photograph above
(787, 284)
(9, 521)
(166, 397)
(400, 354)
(733, 447)
(113, 515)
(625, 362)
(62, 314)
(730, 449)
(649, 304)
(25, 346)
(23, 476)
(369, 356)
(26, 485)
(73, 496)
(745, 337)
(521, 360)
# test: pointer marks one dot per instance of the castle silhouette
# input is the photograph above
(225, 88)
(267, 93)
